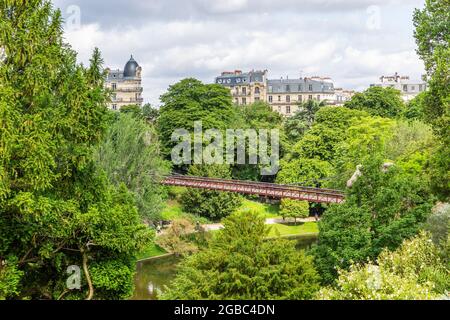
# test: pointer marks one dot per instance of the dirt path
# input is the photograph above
(218, 226)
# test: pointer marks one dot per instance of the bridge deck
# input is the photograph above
(270, 190)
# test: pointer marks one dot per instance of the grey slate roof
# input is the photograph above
(239, 79)
(302, 85)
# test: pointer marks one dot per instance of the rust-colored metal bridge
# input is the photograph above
(270, 190)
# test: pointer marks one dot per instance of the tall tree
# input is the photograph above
(378, 101)
(56, 208)
(190, 100)
(382, 208)
(130, 154)
(257, 116)
(433, 41)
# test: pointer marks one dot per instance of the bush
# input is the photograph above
(294, 209)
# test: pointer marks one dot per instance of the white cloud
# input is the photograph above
(321, 37)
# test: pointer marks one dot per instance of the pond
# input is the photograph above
(152, 275)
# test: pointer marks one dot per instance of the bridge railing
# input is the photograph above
(259, 188)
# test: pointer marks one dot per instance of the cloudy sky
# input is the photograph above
(352, 41)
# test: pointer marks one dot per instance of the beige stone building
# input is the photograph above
(246, 88)
(283, 95)
(126, 85)
(341, 96)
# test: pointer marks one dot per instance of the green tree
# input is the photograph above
(149, 113)
(240, 264)
(413, 272)
(294, 209)
(257, 116)
(188, 101)
(330, 129)
(381, 210)
(210, 204)
(433, 41)
(415, 108)
(57, 208)
(130, 154)
(132, 109)
(296, 126)
(378, 101)
(305, 172)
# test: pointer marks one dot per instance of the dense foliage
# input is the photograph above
(294, 209)
(414, 271)
(381, 210)
(433, 40)
(129, 154)
(240, 264)
(57, 208)
(378, 101)
(210, 204)
(188, 101)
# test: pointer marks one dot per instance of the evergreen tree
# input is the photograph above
(239, 264)
(57, 208)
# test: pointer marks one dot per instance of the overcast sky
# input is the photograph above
(352, 41)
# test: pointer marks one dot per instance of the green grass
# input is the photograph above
(291, 229)
(152, 250)
(268, 211)
(173, 210)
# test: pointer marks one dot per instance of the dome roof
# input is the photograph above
(130, 68)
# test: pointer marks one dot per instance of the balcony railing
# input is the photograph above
(134, 89)
(130, 101)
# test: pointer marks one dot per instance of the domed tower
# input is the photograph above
(132, 69)
(125, 85)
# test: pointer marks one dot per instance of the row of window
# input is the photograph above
(299, 98)
(244, 90)
(298, 88)
(287, 108)
(413, 88)
(244, 100)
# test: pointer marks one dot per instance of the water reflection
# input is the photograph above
(152, 276)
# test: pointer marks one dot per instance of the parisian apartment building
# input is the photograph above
(284, 95)
(408, 88)
(125, 85)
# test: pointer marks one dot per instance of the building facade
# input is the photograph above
(408, 89)
(246, 88)
(341, 96)
(283, 95)
(286, 95)
(125, 85)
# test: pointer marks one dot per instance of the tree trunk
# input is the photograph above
(88, 276)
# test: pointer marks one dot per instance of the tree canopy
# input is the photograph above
(378, 101)
(210, 204)
(433, 41)
(57, 209)
(239, 264)
(130, 154)
(190, 100)
(414, 271)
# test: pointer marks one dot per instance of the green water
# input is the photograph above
(153, 275)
